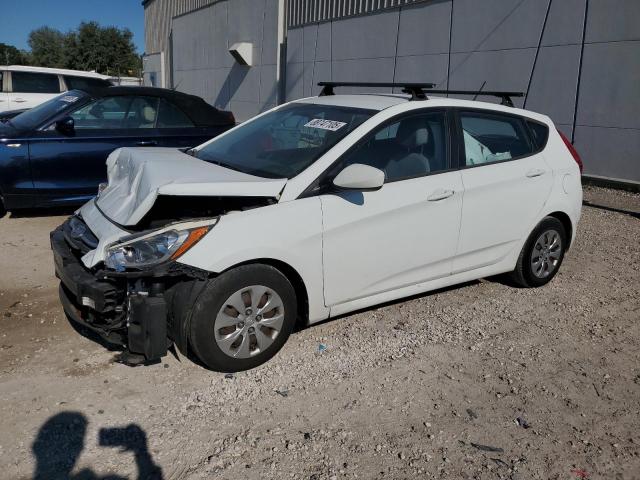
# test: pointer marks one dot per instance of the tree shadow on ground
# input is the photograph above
(60, 442)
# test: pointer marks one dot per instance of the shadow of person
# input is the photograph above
(132, 439)
(58, 445)
(60, 441)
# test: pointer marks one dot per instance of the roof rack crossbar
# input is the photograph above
(415, 89)
(505, 96)
(419, 91)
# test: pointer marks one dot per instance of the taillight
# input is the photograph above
(231, 117)
(572, 151)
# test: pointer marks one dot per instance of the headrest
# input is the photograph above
(149, 114)
(412, 133)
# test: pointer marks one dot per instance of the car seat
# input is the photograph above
(413, 137)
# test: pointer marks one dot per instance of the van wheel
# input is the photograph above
(541, 255)
(3, 211)
(243, 318)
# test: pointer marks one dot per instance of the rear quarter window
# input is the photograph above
(82, 83)
(539, 134)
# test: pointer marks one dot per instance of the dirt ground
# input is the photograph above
(479, 381)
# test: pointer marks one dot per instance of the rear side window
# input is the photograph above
(81, 83)
(490, 138)
(171, 116)
(540, 134)
(1, 81)
(30, 82)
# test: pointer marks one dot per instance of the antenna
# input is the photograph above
(481, 87)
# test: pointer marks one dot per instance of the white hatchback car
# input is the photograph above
(316, 208)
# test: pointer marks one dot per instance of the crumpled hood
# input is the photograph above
(138, 175)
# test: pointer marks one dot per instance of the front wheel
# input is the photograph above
(542, 254)
(243, 318)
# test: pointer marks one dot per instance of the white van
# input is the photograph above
(25, 87)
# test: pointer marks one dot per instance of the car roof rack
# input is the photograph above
(419, 91)
(416, 90)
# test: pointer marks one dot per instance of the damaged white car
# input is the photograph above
(314, 209)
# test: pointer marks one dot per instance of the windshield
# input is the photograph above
(38, 115)
(283, 143)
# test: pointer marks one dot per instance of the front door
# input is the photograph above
(406, 232)
(68, 168)
(506, 184)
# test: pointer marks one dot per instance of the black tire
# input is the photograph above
(524, 274)
(210, 302)
(3, 211)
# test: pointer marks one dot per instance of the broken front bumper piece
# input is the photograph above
(126, 310)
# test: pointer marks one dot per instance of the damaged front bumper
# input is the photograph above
(129, 309)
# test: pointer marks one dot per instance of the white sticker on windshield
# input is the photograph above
(325, 124)
(69, 99)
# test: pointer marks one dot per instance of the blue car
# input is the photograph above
(54, 154)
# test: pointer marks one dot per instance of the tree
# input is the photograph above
(10, 55)
(107, 50)
(47, 47)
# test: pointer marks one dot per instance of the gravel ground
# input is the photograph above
(479, 381)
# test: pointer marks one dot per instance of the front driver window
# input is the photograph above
(143, 113)
(411, 147)
(105, 113)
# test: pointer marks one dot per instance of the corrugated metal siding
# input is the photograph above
(158, 15)
(302, 12)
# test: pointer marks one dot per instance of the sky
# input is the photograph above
(19, 17)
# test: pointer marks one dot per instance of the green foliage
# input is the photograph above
(47, 47)
(107, 50)
(10, 55)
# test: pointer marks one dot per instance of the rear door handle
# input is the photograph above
(440, 194)
(19, 100)
(536, 172)
(147, 143)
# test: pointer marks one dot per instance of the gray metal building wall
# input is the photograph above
(579, 61)
(203, 66)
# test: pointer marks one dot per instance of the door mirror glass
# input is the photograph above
(359, 177)
(66, 126)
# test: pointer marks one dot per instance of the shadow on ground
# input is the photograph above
(41, 212)
(60, 442)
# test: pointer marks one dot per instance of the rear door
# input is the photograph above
(506, 184)
(30, 89)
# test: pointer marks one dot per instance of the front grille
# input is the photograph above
(79, 236)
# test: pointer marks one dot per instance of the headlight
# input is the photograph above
(154, 249)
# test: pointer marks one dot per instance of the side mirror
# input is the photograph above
(359, 177)
(66, 126)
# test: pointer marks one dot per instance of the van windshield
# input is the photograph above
(36, 116)
(283, 143)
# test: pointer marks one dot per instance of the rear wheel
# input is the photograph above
(542, 254)
(3, 210)
(243, 318)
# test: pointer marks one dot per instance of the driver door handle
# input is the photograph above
(536, 172)
(440, 194)
(147, 143)
(19, 100)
